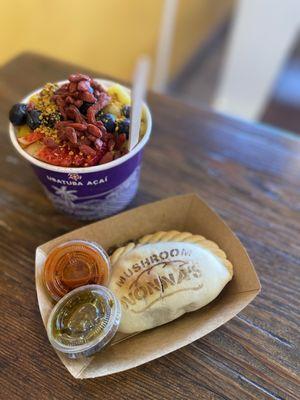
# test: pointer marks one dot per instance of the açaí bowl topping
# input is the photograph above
(80, 123)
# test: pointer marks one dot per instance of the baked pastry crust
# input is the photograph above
(174, 236)
(164, 275)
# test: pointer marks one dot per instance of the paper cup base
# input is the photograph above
(92, 195)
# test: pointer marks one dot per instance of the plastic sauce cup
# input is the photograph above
(84, 321)
(75, 263)
(90, 192)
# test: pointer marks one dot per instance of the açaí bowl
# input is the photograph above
(90, 192)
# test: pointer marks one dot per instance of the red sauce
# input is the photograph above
(73, 264)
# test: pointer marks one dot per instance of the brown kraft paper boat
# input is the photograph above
(182, 213)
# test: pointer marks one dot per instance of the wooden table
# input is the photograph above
(248, 173)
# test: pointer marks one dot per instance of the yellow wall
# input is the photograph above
(104, 35)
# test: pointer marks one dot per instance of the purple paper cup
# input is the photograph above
(90, 192)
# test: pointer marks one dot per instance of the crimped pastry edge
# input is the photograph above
(174, 236)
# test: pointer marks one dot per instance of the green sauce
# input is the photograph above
(81, 319)
(84, 320)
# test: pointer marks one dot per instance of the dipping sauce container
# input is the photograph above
(84, 321)
(73, 264)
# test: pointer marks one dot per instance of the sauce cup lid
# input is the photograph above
(84, 321)
(73, 264)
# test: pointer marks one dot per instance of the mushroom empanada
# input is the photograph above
(165, 275)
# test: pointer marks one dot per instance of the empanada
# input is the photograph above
(165, 275)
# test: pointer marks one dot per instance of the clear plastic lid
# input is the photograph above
(84, 321)
(73, 264)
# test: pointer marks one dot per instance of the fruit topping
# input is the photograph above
(123, 126)
(126, 111)
(30, 138)
(59, 156)
(107, 157)
(76, 124)
(79, 77)
(33, 119)
(120, 93)
(87, 150)
(84, 107)
(23, 130)
(109, 121)
(34, 148)
(102, 101)
(17, 114)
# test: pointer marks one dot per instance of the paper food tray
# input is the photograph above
(182, 213)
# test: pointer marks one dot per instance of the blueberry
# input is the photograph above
(109, 121)
(32, 119)
(17, 114)
(83, 109)
(123, 126)
(126, 111)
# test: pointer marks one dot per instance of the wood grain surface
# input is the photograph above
(250, 174)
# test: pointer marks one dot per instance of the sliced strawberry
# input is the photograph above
(62, 157)
(30, 138)
(59, 156)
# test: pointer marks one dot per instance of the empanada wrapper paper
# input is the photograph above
(183, 213)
